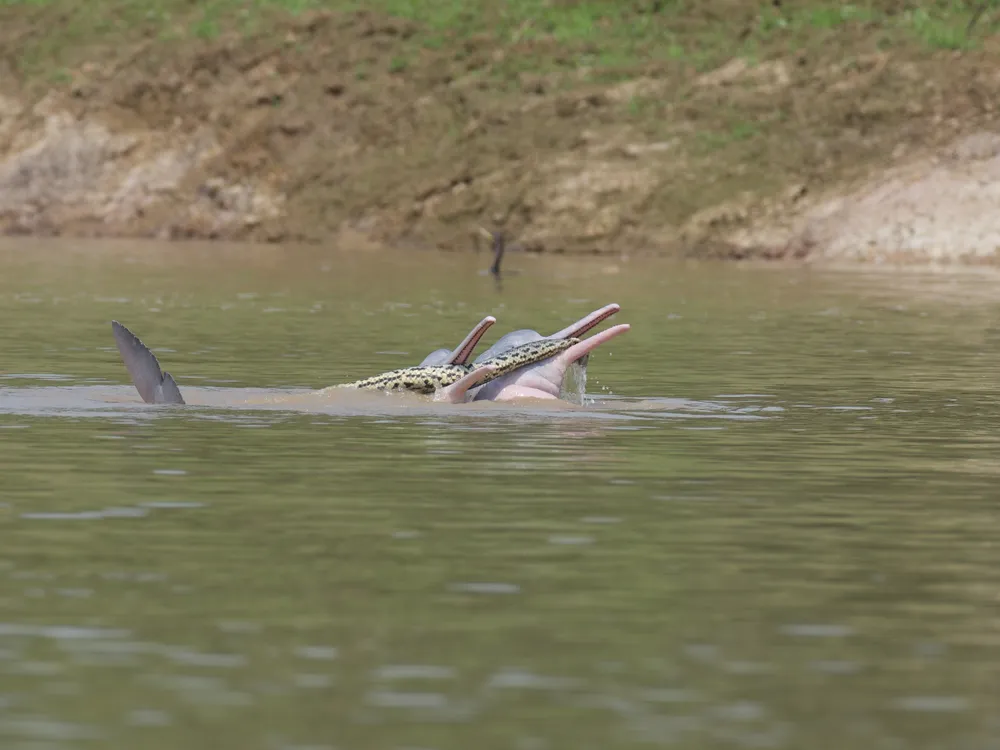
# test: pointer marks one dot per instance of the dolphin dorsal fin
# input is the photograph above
(154, 385)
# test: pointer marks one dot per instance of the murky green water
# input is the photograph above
(775, 527)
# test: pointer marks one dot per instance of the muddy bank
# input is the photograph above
(945, 207)
(318, 132)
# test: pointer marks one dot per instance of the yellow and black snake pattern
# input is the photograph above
(430, 378)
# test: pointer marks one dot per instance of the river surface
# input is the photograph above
(773, 523)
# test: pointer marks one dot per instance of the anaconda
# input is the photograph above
(544, 379)
(524, 335)
(429, 378)
(460, 355)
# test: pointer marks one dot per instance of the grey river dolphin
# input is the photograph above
(452, 381)
(524, 382)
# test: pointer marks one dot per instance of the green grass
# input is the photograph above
(606, 35)
(937, 25)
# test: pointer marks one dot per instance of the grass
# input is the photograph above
(603, 34)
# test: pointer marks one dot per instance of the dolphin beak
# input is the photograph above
(586, 346)
(457, 391)
(580, 327)
(464, 350)
(543, 380)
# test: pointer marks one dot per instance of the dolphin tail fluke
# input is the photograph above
(154, 385)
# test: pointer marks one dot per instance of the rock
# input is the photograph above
(769, 76)
(976, 147)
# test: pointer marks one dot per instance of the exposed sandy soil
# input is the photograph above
(309, 134)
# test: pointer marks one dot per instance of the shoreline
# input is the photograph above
(363, 129)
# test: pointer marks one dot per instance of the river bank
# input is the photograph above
(709, 129)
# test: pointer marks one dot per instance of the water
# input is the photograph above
(774, 524)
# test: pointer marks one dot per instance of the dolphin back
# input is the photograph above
(154, 385)
(436, 358)
(508, 341)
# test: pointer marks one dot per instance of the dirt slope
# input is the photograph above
(335, 126)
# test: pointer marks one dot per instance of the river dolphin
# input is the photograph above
(544, 379)
(573, 330)
(509, 385)
(460, 354)
(449, 383)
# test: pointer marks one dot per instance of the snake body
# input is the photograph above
(427, 379)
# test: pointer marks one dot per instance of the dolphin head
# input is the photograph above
(461, 353)
(574, 331)
(544, 379)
